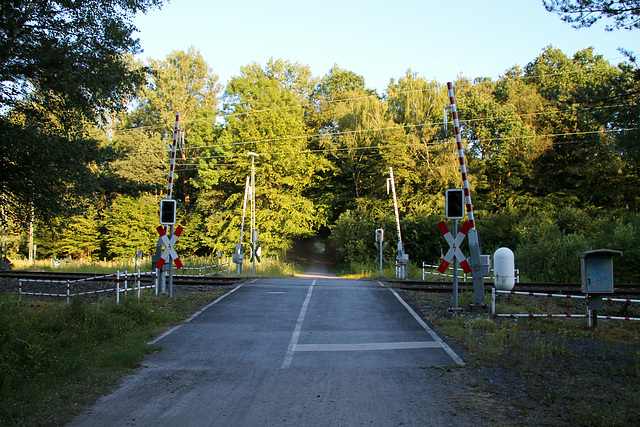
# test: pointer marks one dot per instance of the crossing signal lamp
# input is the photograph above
(454, 203)
(168, 211)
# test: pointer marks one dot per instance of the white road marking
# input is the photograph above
(426, 327)
(368, 346)
(296, 332)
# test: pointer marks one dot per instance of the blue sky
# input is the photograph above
(378, 40)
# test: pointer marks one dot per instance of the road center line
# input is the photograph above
(296, 332)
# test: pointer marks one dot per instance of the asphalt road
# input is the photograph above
(307, 351)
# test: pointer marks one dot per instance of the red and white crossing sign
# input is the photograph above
(454, 247)
(169, 251)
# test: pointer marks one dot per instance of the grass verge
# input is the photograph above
(56, 359)
(543, 371)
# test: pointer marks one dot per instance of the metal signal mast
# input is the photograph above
(480, 264)
(403, 257)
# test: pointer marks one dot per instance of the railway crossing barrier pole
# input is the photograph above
(170, 268)
(67, 292)
(480, 264)
(454, 210)
(454, 233)
(118, 286)
(138, 283)
(253, 210)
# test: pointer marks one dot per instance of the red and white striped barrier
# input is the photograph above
(540, 315)
(426, 267)
(172, 161)
(463, 165)
(496, 291)
(68, 283)
(208, 267)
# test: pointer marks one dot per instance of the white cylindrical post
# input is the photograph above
(504, 269)
(118, 286)
(493, 301)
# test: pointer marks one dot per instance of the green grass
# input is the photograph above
(549, 371)
(267, 267)
(57, 358)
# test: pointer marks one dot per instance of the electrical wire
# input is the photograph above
(312, 103)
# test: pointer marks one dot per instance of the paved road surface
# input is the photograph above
(307, 351)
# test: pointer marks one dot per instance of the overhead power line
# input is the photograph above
(311, 103)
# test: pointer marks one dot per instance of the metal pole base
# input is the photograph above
(479, 308)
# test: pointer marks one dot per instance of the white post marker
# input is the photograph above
(169, 251)
(172, 161)
(454, 247)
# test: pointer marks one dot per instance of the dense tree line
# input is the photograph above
(551, 146)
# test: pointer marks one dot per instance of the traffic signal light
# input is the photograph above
(454, 203)
(168, 211)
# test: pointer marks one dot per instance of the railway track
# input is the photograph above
(410, 285)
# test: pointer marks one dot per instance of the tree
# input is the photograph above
(501, 144)
(70, 50)
(181, 83)
(352, 127)
(584, 13)
(583, 163)
(424, 164)
(130, 223)
(62, 65)
(80, 236)
(264, 116)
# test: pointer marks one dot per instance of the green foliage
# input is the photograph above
(269, 122)
(80, 237)
(131, 223)
(52, 90)
(584, 13)
(550, 148)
